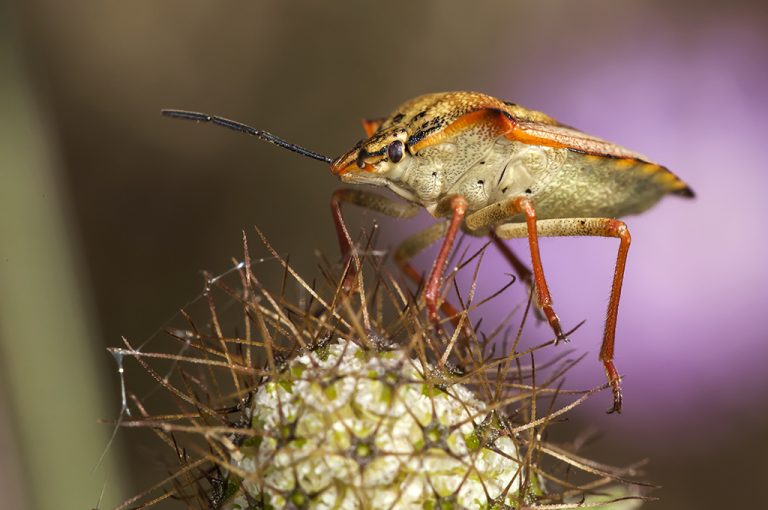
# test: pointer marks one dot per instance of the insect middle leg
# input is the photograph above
(519, 267)
(523, 271)
(504, 210)
(602, 227)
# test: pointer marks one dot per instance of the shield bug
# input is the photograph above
(492, 167)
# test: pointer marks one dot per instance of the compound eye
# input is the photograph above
(395, 151)
(361, 157)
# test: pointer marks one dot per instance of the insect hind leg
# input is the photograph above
(591, 227)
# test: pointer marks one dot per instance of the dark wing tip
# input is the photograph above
(684, 192)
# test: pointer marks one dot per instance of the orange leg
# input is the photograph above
(458, 206)
(368, 200)
(338, 220)
(518, 265)
(614, 228)
(504, 210)
(543, 298)
(414, 245)
(406, 250)
(603, 227)
(447, 308)
(345, 241)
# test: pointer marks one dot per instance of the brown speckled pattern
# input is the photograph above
(445, 107)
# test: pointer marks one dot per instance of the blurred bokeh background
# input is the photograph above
(108, 212)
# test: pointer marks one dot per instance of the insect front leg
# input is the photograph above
(367, 200)
(600, 227)
(414, 245)
(405, 251)
(505, 209)
(458, 206)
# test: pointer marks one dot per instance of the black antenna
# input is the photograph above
(237, 126)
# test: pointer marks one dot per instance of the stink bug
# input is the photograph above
(493, 168)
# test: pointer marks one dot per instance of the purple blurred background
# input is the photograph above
(691, 343)
(148, 202)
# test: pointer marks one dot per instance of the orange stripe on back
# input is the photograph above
(466, 121)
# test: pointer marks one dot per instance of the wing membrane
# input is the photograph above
(558, 135)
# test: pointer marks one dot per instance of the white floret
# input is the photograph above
(345, 428)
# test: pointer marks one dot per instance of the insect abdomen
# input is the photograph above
(597, 186)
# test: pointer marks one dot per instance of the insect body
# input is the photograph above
(494, 168)
(487, 150)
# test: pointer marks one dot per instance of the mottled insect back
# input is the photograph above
(493, 168)
(486, 149)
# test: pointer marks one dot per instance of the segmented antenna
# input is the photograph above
(237, 126)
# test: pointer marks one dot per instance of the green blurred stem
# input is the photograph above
(48, 356)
